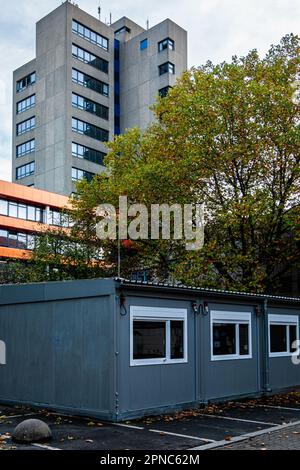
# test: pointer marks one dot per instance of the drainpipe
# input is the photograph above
(266, 363)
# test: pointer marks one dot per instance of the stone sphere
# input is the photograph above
(32, 430)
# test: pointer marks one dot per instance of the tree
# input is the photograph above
(227, 135)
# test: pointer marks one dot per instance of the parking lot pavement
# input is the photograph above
(285, 439)
(201, 428)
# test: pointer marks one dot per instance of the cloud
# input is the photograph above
(217, 30)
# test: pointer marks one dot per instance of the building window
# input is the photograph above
(90, 130)
(166, 44)
(90, 35)
(283, 332)
(25, 170)
(124, 29)
(90, 59)
(90, 82)
(167, 67)
(22, 241)
(78, 175)
(158, 336)
(144, 44)
(26, 126)
(26, 104)
(92, 107)
(230, 335)
(26, 82)
(25, 149)
(80, 151)
(164, 91)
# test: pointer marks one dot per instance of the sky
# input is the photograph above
(217, 30)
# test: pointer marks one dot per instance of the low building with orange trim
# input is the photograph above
(24, 213)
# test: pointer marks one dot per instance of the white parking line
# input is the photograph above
(127, 426)
(244, 437)
(279, 407)
(46, 447)
(182, 435)
(17, 416)
(239, 419)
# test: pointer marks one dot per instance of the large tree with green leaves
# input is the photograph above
(227, 135)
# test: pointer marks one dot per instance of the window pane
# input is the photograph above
(244, 339)
(149, 339)
(13, 210)
(3, 207)
(22, 212)
(3, 238)
(224, 341)
(278, 338)
(293, 337)
(177, 347)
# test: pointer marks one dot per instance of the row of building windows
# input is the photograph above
(90, 35)
(33, 213)
(90, 59)
(22, 241)
(26, 148)
(167, 67)
(26, 104)
(90, 130)
(25, 170)
(78, 175)
(26, 82)
(90, 106)
(86, 153)
(26, 126)
(160, 337)
(21, 211)
(90, 82)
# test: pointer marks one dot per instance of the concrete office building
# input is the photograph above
(89, 81)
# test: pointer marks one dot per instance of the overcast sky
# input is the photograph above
(217, 29)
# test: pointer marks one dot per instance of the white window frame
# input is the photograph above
(237, 318)
(285, 320)
(159, 314)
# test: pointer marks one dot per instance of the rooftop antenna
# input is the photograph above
(99, 11)
(147, 24)
(110, 19)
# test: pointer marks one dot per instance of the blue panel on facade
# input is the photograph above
(144, 44)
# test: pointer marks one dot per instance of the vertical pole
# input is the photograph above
(266, 385)
(119, 256)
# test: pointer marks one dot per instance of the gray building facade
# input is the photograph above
(89, 81)
(117, 349)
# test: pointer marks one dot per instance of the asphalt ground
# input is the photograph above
(205, 428)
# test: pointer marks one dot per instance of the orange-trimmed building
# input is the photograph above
(25, 212)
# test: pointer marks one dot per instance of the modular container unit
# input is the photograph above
(118, 349)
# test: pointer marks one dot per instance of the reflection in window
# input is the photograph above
(149, 339)
(177, 339)
(283, 332)
(224, 341)
(166, 44)
(278, 338)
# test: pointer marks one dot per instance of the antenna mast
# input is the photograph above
(99, 11)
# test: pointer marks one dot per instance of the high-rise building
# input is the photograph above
(89, 81)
